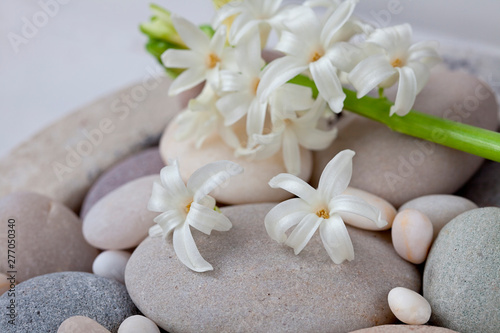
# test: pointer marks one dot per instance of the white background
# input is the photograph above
(91, 48)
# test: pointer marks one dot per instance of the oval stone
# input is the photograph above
(408, 306)
(398, 167)
(44, 302)
(111, 264)
(249, 187)
(137, 324)
(259, 285)
(144, 163)
(81, 324)
(48, 237)
(462, 274)
(121, 219)
(440, 208)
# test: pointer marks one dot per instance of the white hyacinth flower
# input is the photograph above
(312, 46)
(319, 208)
(392, 58)
(202, 61)
(188, 205)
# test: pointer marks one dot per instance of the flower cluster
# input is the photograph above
(243, 92)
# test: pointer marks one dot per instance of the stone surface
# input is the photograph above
(121, 219)
(137, 324)
(144, 163)
(4, 283)
(440, 208)
(461, 276)
(388, 211)
(399, 168)
(408, 306)
(61, 161)
(44, 302)
(405, 329)
(412, 235)
(249, 187)
(259, 285)
(484, 187)
(81, 324)
(111, 264)
(48, 237)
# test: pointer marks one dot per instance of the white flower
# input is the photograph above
(202, 61)
(311, 45)
(184, 206)
(392, 58)
(319, 209)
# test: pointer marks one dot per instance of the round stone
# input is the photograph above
(44, 302)
(259, 285)
(405, 329)
(81, 324)
(43, 234)
(408, 306)
(137, 324)
(121, 219)
(462, 273)
(111, 264)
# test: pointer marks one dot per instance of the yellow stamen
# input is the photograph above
(316, 55)
(323, 213)
(212, 60)
(188, 207)
(397, 63)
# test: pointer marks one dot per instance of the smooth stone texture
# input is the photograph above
(121, 220)
(81, 324)
(48, 237)
(259, 285)
(484, 187)
(399, 168)
(44, 302)
(461, 276)
(440, 208)
(405, 329)
(412, 235)
(408, 306)
(49, 163)
(137, 324)
(111, 264)
(249, 187)
(388, 211)
(144, 163)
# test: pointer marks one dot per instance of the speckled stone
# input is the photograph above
(81, 324)
(484, 187)
(399, 168)
(44, 302)
(144, 163)
(440, 208)
(462, 274)
(259, 285)
(405, 329)
(48, 237)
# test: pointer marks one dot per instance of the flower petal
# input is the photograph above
(291, 152)
(161, 199)
(218, 40)
(369, 73)
(187, 80)
(295, 185)
(233, 107)
(338, 18)
(205, 219)
(328, 83)
(422, 74)
(315, 139)
(290, 44)
(186, 250)
(303, 232)
(407, 92)
(336, 175)
(191, 35)
(181, 59)
(168, 221)
(355, 205)
(256, 117)
(284, 216)
(336, 239)
(172, 181)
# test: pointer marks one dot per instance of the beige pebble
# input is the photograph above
(412, 235)
(111, 264)
(388, 211)
(81, 324)
(121, 219)
(136, 324)
(408, 306)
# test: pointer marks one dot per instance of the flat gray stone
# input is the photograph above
(462, 275)
(44, 302)
(259, 285)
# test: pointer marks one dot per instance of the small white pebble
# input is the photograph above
(412, 235)
(111, 264)
(137, 324)
(408, 306)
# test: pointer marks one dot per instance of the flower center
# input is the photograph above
(323, 213)
(188, 207)
(254, 85)
(397, 63)
(212, 60)
(316, 55)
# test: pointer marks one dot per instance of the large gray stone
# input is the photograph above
(44, 302)
(405, 329)
(398, 167)
(462, 273)
(259, 285)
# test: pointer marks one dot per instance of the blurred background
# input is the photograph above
(58, 55)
